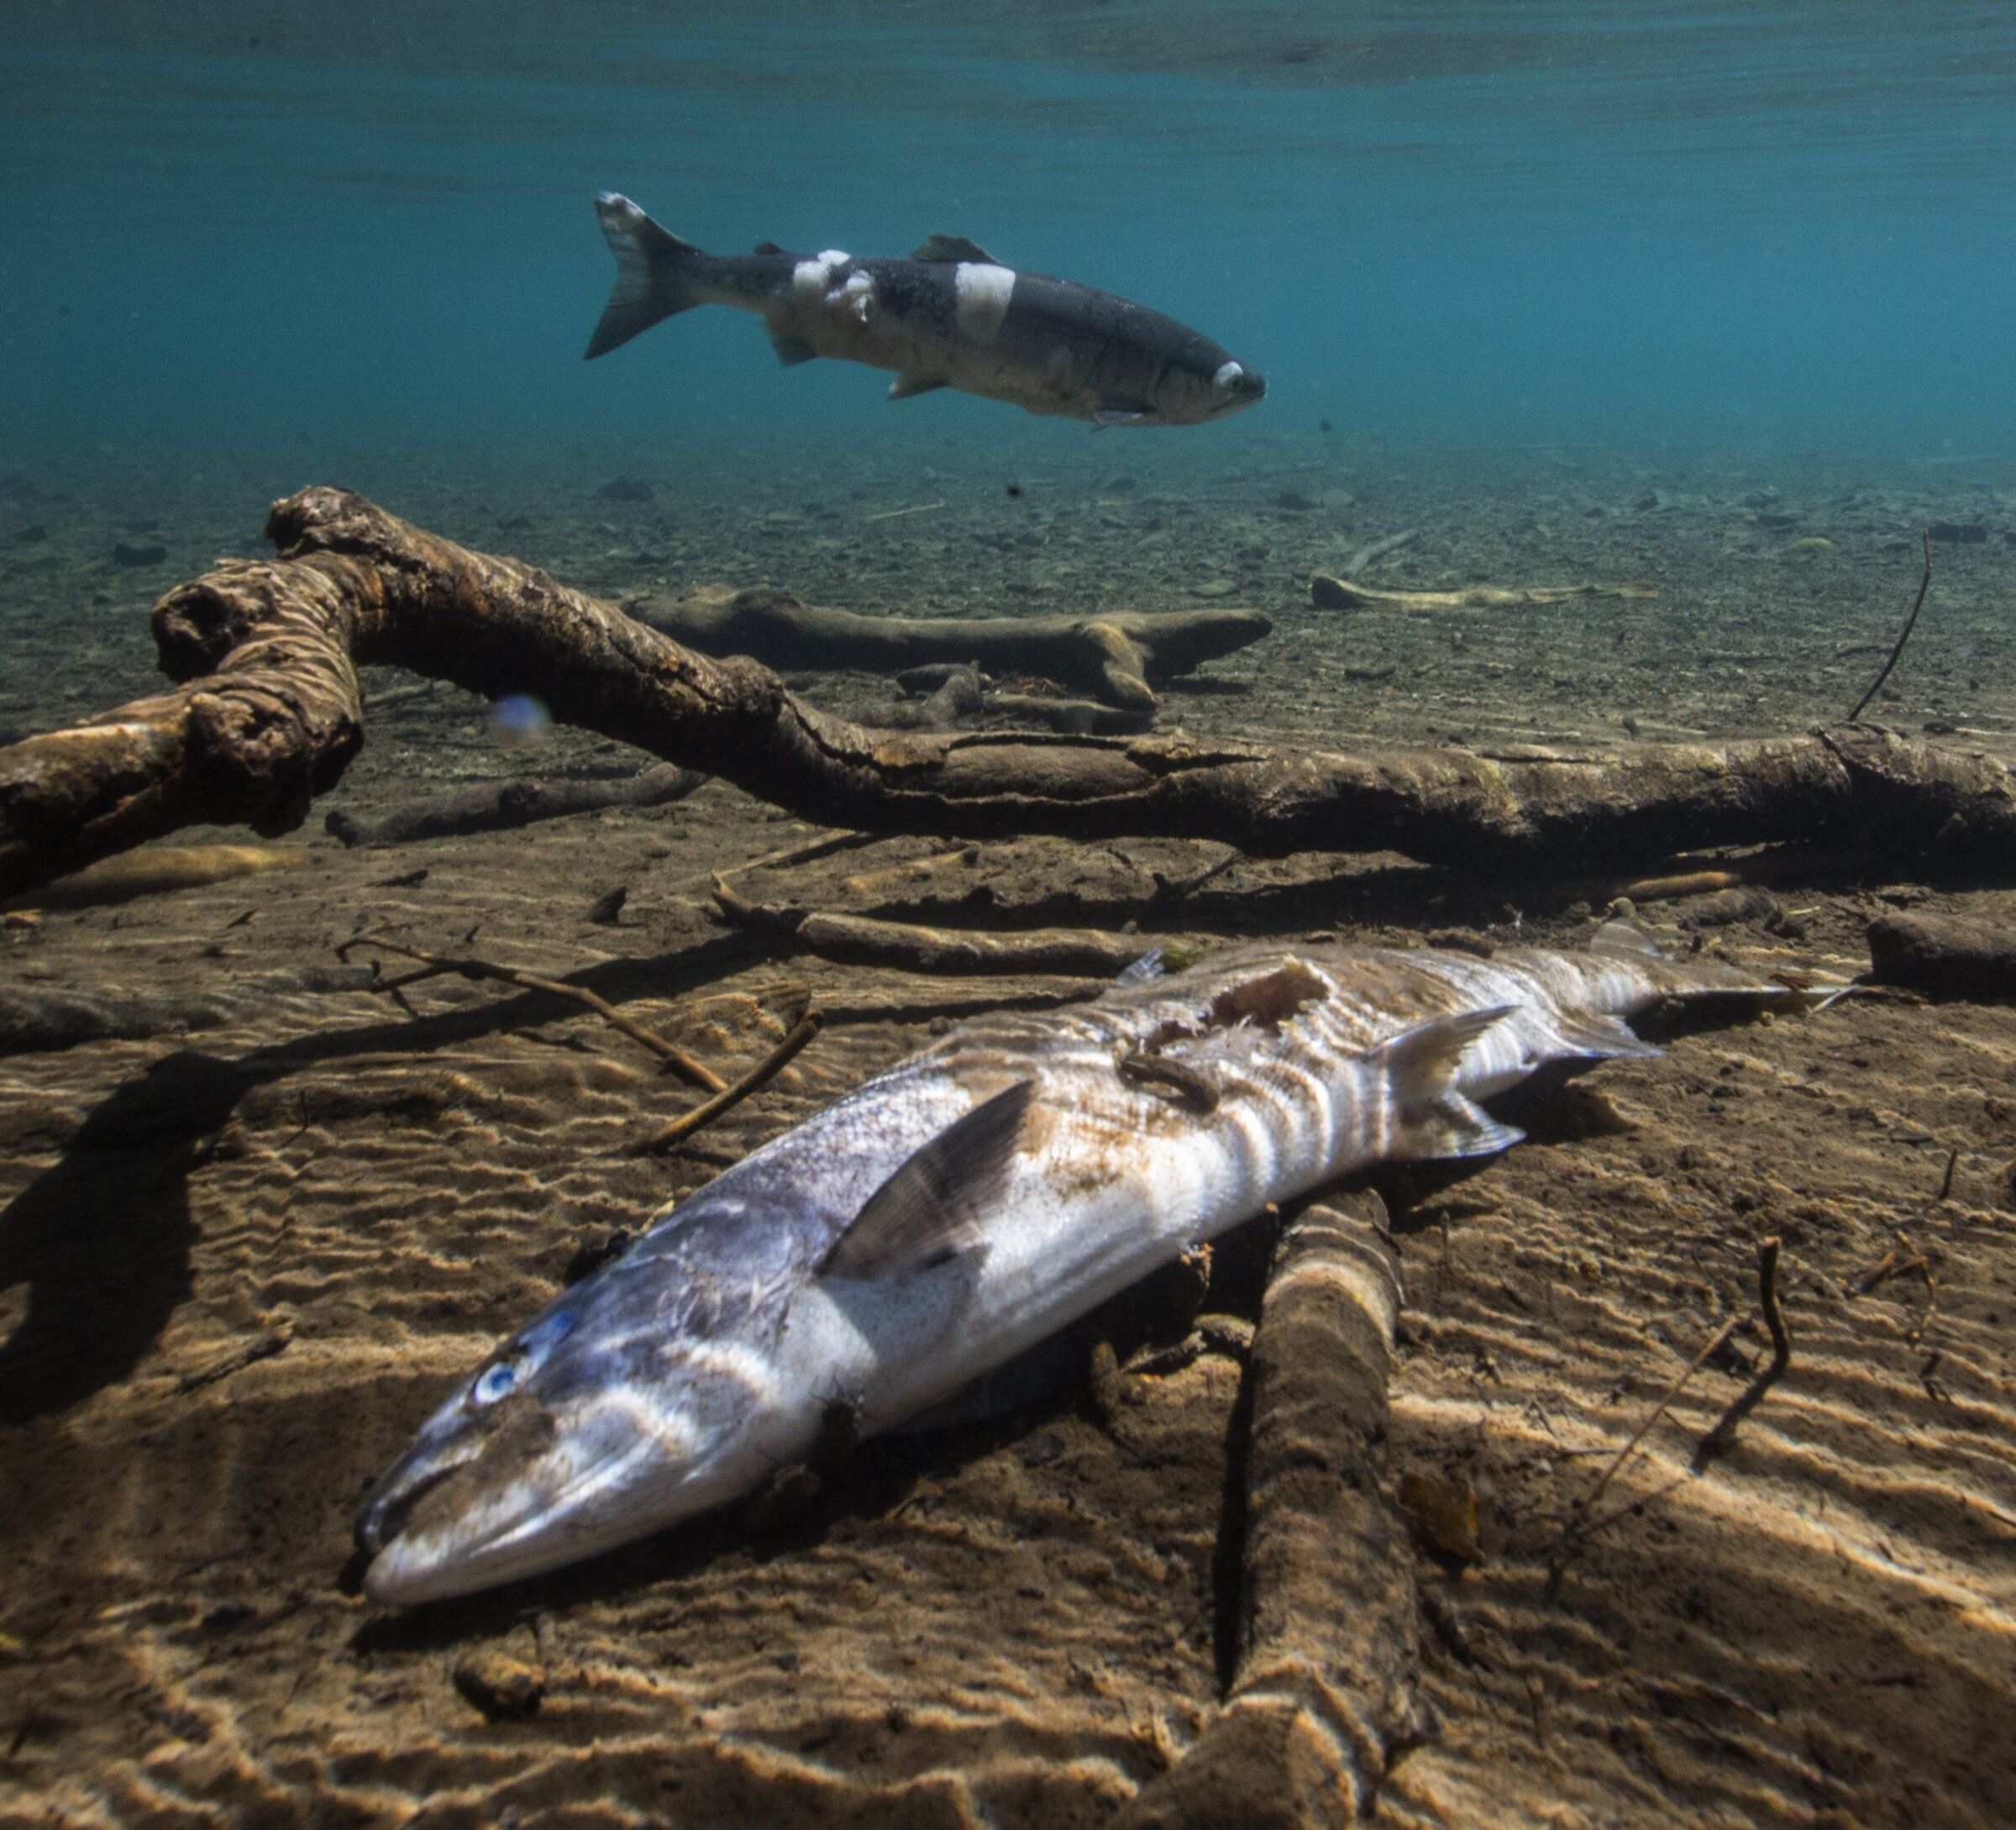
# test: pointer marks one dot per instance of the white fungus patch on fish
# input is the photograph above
(967, 1204)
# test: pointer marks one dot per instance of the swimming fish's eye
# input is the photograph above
(498, 1381)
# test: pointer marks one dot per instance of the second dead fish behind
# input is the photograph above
(949, 316)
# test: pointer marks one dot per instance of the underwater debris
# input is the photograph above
(732, 1095)
(434, 965)
(1924, 584)
(159, 871)
(1117, 655)
(863, 940)
(508, 804)
(1724, 1432)
(1944, 956)
(269, 714)
(1329, 593)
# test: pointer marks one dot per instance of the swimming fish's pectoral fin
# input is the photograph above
(906, 387)
(791, 350)
(929, 1210)
(953, 248)
(1120, 412)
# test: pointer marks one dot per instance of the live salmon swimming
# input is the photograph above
(949, 316)
(964, 1206)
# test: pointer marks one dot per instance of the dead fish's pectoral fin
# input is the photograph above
(929, 1210)
(791, 350)
(1456, 1126)
(953, 248)
(908, 386)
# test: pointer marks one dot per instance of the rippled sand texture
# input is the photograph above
(237, 1267)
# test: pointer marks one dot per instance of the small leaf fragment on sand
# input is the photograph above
(1444, 1514)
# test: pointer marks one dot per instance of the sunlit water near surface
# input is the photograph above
(1586, 289)
(329, 235)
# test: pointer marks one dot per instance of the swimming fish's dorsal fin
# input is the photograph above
(1144, 970)
(953, 248)
(768, 248)
(1623, 939)
(929, 1211)
(908, 386)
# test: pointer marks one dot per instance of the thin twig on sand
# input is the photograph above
(761, 1075)
(435, 965)
(1577, 1531)
(1910, 624)
(1747, 1400)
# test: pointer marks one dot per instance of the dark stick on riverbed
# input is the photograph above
(1910, 624)
(1718, 1438)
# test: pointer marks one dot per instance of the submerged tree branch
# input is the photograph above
(268, 715)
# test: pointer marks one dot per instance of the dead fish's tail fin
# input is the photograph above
(651, 274)
(1620, 937)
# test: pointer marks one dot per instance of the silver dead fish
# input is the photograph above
(966, 1205)
(950, 316)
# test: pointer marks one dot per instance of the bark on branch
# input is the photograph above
(267, 715)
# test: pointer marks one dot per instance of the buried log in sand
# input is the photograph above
(269, 714)
(1324, 1695)
(1116, 655)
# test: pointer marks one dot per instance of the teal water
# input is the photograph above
(308, 234)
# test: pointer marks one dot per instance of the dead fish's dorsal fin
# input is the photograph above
(1435, 1118)
(909, 386)
(953, 248)
(929, 1210)
(1421, 1061)
(768, 248)
(1623, 939)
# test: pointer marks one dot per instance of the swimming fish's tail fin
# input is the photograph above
(651, 280)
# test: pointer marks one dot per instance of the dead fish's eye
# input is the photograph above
(498, 1381)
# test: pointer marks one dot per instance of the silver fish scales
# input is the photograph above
(965, 1205)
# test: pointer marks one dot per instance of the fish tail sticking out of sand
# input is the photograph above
(949, 316)
(966, 1205)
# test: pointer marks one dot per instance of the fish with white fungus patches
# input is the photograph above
(961, 1208)
(949, 316)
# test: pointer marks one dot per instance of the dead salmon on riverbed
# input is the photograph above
(949, 316)
(962, 1207)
